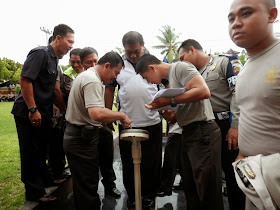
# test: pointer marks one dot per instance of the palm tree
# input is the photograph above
(169, 43)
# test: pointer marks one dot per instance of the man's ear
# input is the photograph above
(107, 65)
(273, 14)
(58, 38)
(192, 49)
(151, 67)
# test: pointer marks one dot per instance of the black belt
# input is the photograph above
(222, 115)
(72, 126)
(196, 123)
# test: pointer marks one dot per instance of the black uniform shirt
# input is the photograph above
(41, 67)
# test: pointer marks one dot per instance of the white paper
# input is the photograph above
(169, 92)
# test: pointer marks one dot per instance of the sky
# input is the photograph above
(101, 24)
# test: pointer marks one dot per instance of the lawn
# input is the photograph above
(11, 188)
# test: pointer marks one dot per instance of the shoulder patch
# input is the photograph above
(67, 80)
(236, 65)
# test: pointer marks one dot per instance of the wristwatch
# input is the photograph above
(173, 103)
(33, 109)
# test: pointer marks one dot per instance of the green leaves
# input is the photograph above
(169, 42)
(9, 70)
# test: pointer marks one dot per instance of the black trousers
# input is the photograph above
(56, 155)
(150, 163)
(201, 164)
(33, 147)
(82, 156)
(106, 157)
(236, 197)
(171, 161)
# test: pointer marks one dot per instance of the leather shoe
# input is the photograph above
(45, 199)
(163, 193)
(114, 192)
(148, 203)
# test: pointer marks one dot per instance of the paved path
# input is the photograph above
(65, 196)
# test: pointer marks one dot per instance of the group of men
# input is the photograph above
(225, 114)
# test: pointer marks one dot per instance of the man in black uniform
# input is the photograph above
(219, 73)
(33, 109)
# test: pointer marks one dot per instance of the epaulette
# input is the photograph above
(45, 48)
(230, 56)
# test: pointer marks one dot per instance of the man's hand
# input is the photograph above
(232, 138)
(239, 156)
(55, 110)
(169, 116)
(35, 118)
(125, 121)
(159, 102)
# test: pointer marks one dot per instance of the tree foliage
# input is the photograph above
(169, 42)
(9, 70)
(243, 57)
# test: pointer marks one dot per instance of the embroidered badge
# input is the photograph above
(212, 67)
(271, 76)
(248, 170)
(67, 80)
(236, 65)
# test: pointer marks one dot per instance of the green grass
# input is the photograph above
(11, 188)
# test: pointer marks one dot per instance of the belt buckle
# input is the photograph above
(223, 115)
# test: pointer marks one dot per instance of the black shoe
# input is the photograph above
(163, 193)
(130, 203)
(66, 175)
(114, 192)
(44, 199)
(62, 175)
(148, 203)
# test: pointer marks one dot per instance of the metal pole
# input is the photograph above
(46, 31)
(136, 155)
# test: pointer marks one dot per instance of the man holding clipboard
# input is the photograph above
(201, 146)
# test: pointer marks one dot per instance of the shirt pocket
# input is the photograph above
(212, 80)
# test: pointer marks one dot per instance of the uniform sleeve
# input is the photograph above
(93, 95)
(184, 72)
(233, 68)
(59, 73)
(36, 59)
(67, 83)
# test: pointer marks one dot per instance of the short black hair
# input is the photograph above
(132, 37)
(144, 62)
(190, 43)
(75, 51)
(62, 30)
(111, 57)
(87, 51)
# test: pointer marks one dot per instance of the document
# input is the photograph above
(169, 92)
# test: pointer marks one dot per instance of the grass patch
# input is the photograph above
(11, 188)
